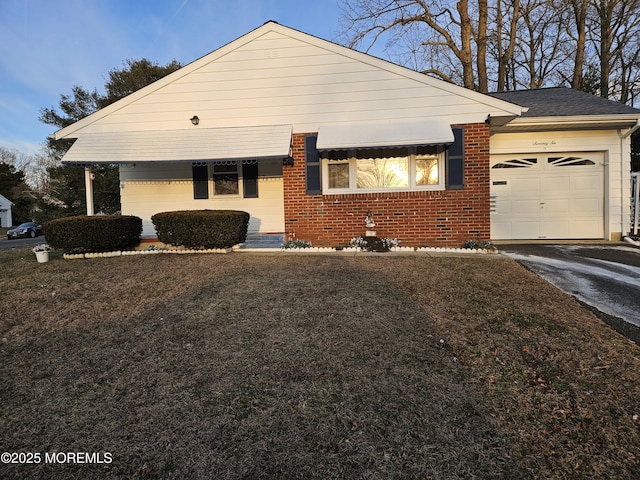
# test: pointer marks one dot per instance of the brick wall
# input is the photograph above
(427, 218)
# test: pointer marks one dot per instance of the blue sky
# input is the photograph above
(47, 46)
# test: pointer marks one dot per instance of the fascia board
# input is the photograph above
(583, 122)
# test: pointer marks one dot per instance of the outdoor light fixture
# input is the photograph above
(195, 120)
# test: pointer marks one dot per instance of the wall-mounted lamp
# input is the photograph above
(195, 120)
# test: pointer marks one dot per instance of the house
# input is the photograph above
(5, 212)
(310, 138)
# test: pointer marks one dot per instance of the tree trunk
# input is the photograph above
(481, 42)
(580, 15)
(605, 16)
(466, 56)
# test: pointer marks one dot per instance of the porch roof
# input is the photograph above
(193, 145)
(431, 131)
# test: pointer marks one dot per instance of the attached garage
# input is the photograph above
(547, 196)
(563, 169)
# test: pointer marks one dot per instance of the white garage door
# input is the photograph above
(552, 196)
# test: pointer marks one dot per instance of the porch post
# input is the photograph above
(635, 177)
(88, 186)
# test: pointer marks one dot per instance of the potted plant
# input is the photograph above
(42, 252)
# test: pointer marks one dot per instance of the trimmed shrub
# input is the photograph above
(100, 233)
(202, 228)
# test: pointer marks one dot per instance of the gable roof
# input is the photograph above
(278, 75)
(567, 107)
(4, 201)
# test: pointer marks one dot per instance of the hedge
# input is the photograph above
(202, 228)
(100, 233)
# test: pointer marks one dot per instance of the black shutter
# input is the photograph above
(454, 169)
(250, 179)
(200, 181)
(312, 165)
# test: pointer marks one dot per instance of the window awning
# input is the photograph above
(195, 145)
(424, 132)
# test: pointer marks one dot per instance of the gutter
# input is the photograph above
(624, 136)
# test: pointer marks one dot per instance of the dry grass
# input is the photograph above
(276, 366)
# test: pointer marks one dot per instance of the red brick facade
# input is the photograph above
(426, 218)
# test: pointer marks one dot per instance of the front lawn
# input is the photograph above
(316, 367)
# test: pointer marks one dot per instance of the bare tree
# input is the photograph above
(614, 31)
(506, 44)
(445, 27)
(541, 49)
(506, 17)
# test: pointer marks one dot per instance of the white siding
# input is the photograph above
(617, 177)
(148, 189)
(5, 212)
(278, 79)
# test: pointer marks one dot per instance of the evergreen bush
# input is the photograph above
(202, 228)
(100, 233)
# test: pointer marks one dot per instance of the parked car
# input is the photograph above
(27, 229)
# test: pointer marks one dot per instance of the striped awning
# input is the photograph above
(194, 145)
(388, 134)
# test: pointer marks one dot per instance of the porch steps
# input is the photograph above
(263, 240)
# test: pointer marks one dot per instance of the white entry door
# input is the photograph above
(554, 196)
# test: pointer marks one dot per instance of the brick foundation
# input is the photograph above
(427, 218)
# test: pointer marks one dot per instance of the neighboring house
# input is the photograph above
(309, 137)
(5, 212)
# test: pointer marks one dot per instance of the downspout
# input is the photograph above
(88, 186)
(622, 137)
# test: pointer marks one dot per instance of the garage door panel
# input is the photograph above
(548, 196)
(555, 186)
(503, 207)
(529, 228)
(525, 186)
(585, 228)
(555, 229)
(525, 207)
(590, 207)
(586, 183)
(555, 207)
(502, 229)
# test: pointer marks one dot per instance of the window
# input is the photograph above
(382, 168)
(569, 161)
(427, 167)
(517, 163)
(338, 169)
(250, 180)
(312, 165)
(379, 169)
(200, 173)
(225, 179)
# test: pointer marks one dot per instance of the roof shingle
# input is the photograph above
(563, 101)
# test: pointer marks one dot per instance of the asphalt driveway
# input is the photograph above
(605, 277)
(6, 244)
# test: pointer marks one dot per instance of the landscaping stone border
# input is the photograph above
(124, 253)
